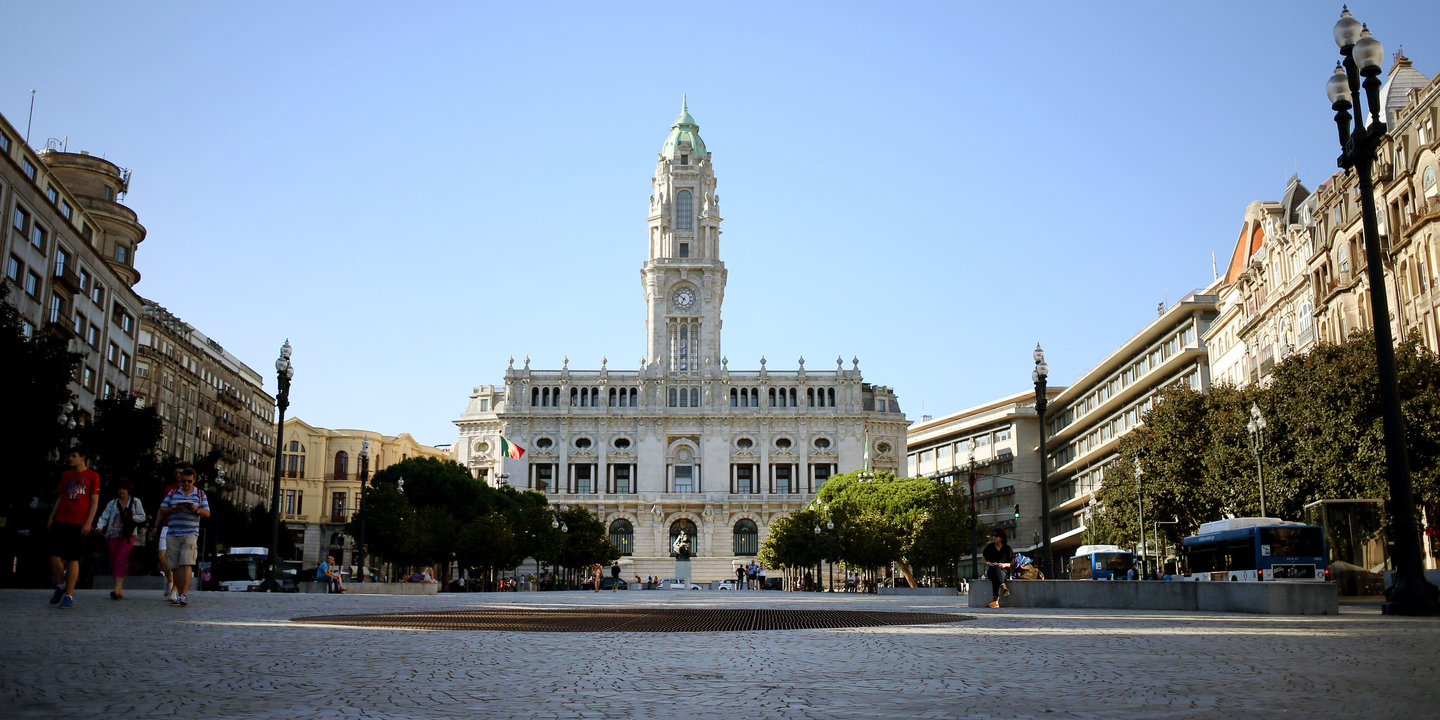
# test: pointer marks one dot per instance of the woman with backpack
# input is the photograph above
(120, 521)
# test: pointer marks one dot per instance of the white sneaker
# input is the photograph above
(174, 597)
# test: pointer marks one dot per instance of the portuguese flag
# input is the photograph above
(511, 450)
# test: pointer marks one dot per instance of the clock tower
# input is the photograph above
(683, 277)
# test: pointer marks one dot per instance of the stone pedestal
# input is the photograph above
(682, 572)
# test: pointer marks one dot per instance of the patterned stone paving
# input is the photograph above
(636, 619)
(241, 656)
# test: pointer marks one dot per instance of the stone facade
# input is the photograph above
(69, 253)
(682, 441)
(1005, 434)
(207, 400)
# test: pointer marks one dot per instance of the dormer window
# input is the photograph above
(684, 159)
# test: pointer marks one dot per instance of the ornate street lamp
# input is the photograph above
(284, 370)
(67, 421)
(974, 516)
(1411, 594)
(1039, 374)
(816, 587)
(830, 537)
(364, 476)
(1140, 500)
(1256, 426)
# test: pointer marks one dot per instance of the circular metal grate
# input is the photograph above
(633, 619)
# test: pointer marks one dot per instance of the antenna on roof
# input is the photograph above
(1214, 269)
(32, 117)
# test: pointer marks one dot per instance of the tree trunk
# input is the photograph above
(905, 571)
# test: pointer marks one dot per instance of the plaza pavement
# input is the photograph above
(239, 656)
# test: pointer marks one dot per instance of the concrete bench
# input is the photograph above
(371, 588)
(917, 591)
(1260, 598)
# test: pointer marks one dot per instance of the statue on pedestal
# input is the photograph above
(681, 546)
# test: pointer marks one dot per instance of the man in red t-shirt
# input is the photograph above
(69, 523)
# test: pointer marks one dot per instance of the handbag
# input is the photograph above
(127, 519)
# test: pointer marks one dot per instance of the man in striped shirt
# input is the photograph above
(183, 508)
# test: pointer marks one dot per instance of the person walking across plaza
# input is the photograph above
(68, 525)
(615, 577)
(998, 559)
(160, 532)
(120, 521)
(183, 509)
(740, 578)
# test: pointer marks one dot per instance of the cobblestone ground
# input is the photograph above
(238, 655)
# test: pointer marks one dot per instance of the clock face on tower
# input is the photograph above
(683, 299)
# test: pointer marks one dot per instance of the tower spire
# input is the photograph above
(684, 102)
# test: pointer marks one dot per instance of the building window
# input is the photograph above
(747, 538)
(21, 219)
(92, 337)
(27, 330)
(109, 391)
(782, 480)
(684, 211)
(544, 477)
(97, 293)
(684, 478)
(337, 507)
(342, 465)
(109, 193)
(37, 237)
(688, 526)
(622, 536)
(57, 307)
(745, 479)
(290, 502)
(124, 362)
(822, 473)
(622, 475)
(684, 249)
(13, 267)
(27, 168)
(122, 254)
(65, 209)
(584, 481)
(4, 143)
(88, 378)
(50, 194)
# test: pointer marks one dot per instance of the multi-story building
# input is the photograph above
(207, 400)
(320, 483)
(1266, 297)
(1087, 420)
(69, 254)
(997, 442)
(683, 443)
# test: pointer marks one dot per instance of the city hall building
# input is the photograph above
(684, 442)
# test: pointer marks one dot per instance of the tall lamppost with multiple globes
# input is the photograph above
(364, 476)
(284, 370)
(1256, 427)
(1039, 374)
(1411, 594)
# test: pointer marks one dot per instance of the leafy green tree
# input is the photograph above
(587, 540)
(790, 540)
(122, 441)
(37, 387)
(488, 543)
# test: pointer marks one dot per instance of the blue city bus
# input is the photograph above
(1260, 549)
(1100, 562)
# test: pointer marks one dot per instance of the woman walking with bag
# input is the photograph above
(119, 522)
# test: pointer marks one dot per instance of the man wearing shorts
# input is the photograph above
(160, 531)
(183, 509)
(69, 523)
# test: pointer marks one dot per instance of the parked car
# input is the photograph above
(608, 582)
(725, 585)
(675, 584)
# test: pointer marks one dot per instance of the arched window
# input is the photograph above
(534, 397)
(754, 397)
(734, 398)
(545, 399)
(684, 211)
(294, 462)
(810, 397)
(622, 536)
(772, 397)
(574, 396)
(747, 538)
(1428, 183)
(1305, 316)
(342, 465)
(830, 394)
(689, 527)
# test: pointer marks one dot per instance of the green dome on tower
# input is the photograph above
(684, 130)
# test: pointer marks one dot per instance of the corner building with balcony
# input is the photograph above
(683, 442)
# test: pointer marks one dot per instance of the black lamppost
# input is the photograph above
(1256, 427)
(67, 423)
(1140, 501)
(974, 517)
(830, 540)
(364, 476)
(283, 372)
(1411, 594)
(816, 586)
(1039, 374)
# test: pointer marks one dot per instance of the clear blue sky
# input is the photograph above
(412, 193)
